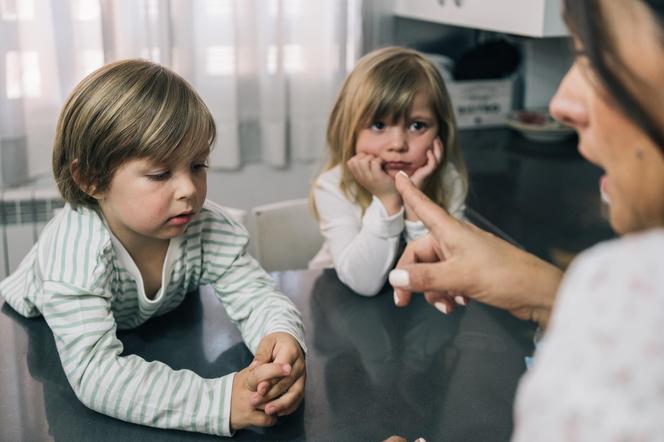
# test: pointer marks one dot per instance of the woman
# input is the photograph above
(599, 371)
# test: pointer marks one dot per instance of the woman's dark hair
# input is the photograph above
(585, 19)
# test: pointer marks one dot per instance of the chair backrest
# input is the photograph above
(285, 235)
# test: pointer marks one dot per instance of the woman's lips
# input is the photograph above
(603, 188)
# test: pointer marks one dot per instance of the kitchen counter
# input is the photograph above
(545, 196)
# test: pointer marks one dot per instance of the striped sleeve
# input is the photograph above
(247, 292)
(77, 307)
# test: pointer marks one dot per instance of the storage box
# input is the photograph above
(481, 103)
(477, 103)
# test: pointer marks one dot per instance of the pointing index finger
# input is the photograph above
(433, 216)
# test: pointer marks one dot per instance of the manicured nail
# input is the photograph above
(401, 172)
(399, 278)
(441, 306)
(396, 298)
(420, 439)
(460, 300)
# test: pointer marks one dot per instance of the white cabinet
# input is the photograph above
(534, 18)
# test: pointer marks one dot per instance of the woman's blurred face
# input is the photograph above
(634, 166)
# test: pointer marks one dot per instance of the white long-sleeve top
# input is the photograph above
(86, 285)
(598, 374)
(363, 248)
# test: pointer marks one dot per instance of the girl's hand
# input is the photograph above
(434, 158)
(368, 172)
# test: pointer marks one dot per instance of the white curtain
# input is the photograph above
(268, 69)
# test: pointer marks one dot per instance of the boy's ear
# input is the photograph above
(85, 187)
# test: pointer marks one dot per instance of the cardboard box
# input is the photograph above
(477, 103)
(481, 103)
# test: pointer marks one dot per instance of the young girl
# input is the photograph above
(137, 235)
(393, 113)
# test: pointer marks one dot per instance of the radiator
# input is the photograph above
(23, 214)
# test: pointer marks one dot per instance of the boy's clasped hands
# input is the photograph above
(272, 385)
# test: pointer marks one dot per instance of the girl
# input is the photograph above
(393, 114)
(137, 235)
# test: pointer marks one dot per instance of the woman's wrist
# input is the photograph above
(548, 278)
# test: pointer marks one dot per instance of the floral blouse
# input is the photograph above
(599, 371)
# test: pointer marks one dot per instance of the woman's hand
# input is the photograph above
(458, 258)
(434, 158)
(368, 172)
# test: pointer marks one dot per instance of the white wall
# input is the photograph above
(257, 184)
(546, 61)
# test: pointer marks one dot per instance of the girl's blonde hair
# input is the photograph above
(125, 110)
(382, 86)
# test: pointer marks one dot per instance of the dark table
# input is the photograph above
(373, 370)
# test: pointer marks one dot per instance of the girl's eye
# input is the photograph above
(161, 176)
(378, 125)
(418, 126)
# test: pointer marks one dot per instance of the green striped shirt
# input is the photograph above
(85, 284)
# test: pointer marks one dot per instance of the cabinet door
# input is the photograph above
(535, 18)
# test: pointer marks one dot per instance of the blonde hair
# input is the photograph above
(125, 110)
(383, 85)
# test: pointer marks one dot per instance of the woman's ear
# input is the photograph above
(89, 189)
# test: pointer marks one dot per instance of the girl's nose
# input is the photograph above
(569, 104)
(398, 139)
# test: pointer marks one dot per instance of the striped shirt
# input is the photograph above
(85, 284)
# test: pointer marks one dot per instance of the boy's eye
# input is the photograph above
(161, 176)
(197, 167)
(418, 125)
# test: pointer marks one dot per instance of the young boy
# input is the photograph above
(136, 235)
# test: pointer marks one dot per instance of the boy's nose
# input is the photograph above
(185, 187)
(398, 140)
(568, 105)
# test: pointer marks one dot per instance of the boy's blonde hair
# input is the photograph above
(382, 86)
(125, 110)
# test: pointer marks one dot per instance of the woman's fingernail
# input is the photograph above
(460, 300)
(401, 172)
(420, 439)
(399, 278)
(396, 298)
(441, 306)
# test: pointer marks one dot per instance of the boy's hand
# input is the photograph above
(280, 395)
(368, 172)
(245, 382)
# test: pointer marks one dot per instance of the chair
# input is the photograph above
(285, 235)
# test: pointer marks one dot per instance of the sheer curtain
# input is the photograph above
(268, 69)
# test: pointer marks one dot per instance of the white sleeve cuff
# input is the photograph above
(415, 230)
(377, 221)
(226, 406)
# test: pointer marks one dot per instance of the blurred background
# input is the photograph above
(269, 70)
